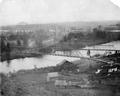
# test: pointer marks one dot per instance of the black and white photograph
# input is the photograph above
(59, 47)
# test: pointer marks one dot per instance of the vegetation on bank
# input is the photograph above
(76, 40)
(12, 87)
(33, 82)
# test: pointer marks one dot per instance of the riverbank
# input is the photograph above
(62, 46)
(78, 44)
(36, 82)
(19, 56)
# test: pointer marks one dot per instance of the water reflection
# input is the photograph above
(5, 49)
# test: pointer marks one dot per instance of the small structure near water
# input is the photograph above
(71, 83)
(61, 83)
(52, 75)
(66, 66)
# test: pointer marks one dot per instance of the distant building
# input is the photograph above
(77, 30)
(112, 28)
(16, 29)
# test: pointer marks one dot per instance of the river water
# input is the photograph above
(31, 63)
(49, 60)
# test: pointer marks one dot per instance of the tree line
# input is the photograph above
(96, 34)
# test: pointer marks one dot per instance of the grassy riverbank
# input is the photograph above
(78, 44)
(36, 83)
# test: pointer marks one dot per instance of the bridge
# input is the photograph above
(82, 52)
(81, 57)
(74, 55)
(79, 53)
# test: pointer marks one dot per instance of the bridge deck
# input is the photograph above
(96, 49)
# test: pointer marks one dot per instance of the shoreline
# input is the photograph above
(21, 55)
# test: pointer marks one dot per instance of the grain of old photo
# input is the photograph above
(59, 47)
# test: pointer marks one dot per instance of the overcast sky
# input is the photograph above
(46, 11)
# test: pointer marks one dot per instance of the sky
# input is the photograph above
(52, 11)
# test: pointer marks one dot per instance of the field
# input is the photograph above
(37, 84)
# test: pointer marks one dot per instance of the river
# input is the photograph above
(49, 60)
(30, 63)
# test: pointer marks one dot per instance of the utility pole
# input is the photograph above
(55, 38)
